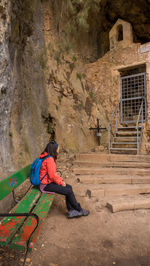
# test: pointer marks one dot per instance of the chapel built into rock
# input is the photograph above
(121, 81)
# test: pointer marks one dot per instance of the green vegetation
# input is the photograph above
(57, 56)
(91, 94)
(10, 134)
(50, 128)
(75, 15)
(43, 58)
(74, 59)
(30, 48)
(60, 98)
(80, 75)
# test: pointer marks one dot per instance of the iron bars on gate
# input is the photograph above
(139, 132)
(110, 131)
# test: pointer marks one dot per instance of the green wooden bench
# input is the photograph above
(16, 230)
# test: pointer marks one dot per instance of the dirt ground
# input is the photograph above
(100, 239)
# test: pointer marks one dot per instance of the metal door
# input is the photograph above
(133, 91)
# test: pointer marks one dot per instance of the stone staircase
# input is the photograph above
(109, 177)
(125, 140)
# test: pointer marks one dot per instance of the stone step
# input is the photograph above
(111, 171)
(98, 164)
(124, 150)
(133, 128)
(124, 145)
(125, 139)
(112, 157)
(99, 179)
(129, 203)
(114, 190)
(126, 132)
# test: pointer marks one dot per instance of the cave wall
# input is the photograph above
(47, 89)
(47, 95)
(135, 12)
(23, 101)
(6, 86)
(28, 125)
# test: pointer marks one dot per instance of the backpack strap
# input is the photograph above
(43, 176)
(42, 161)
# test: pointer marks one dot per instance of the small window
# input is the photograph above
(120, 33)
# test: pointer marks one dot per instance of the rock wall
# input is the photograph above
(47, 89)
(6, 86)
(71, 104)
(23, 102)
(44, 93)
(28, 125)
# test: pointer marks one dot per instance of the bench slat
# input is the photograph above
(20, 239)
(15, 180)
(9, 225)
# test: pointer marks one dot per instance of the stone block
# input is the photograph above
(94, 193)
(122, 206)
(131, 204)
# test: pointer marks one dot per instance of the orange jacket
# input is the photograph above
(48, 167)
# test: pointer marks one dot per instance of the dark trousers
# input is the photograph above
(67, 191)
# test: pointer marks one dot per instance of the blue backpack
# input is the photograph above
(35, 171)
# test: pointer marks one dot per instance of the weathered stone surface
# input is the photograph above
(128, 204)
(114, 190)
(6, 87)
(104, 77)
(43, 80)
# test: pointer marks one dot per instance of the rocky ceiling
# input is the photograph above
(133, 11)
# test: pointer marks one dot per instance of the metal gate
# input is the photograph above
(133, 92)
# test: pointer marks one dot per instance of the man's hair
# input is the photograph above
(51, 149)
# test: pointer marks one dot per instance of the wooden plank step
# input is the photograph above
(9, 225)
(42, 209)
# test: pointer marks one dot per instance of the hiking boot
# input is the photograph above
(84, 212)
(74, 214)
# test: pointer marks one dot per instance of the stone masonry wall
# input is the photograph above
(104, 77)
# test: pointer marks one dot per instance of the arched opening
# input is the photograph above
(120, 33)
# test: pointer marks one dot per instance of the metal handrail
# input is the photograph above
(139, 139)
(110, 124)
